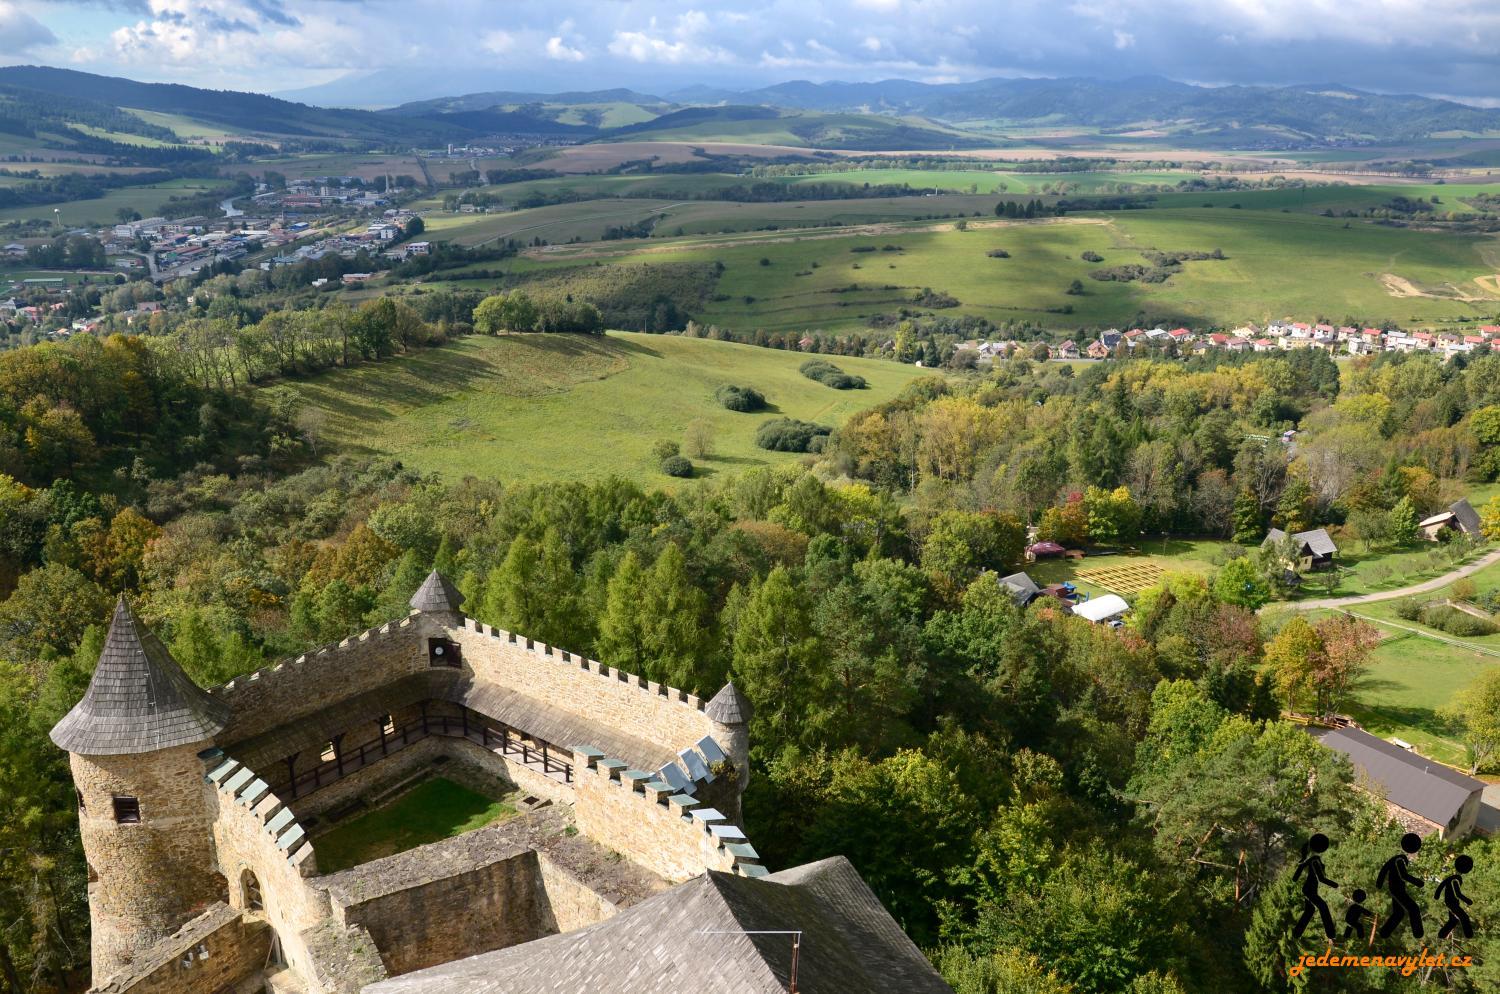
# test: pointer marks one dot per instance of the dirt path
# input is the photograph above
(1425, 587)
(592, 251)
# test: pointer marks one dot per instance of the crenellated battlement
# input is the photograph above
(240, 787)
(325, 653)
(561, 657)
(659, 819)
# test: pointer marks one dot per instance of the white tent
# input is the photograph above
(1101, 608)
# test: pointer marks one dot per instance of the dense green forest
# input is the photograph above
(1047, 806)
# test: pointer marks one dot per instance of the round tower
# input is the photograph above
(147, 830)
(730, 713)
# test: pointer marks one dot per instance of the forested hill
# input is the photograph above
(1314, 112)
(260, 114)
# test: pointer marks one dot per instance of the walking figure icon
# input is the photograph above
(1451, 894)
(1395, 875)
(1312, 866)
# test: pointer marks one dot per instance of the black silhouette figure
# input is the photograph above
(1451, 894)
(1311, 901)
(1394, 876)
(1356, 916)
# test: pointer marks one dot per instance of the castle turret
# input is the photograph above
(438, 596)
(134, 741)
(730, 712)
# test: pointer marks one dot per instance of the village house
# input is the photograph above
(1067, 350)
(1315, 550)
(1460, 518)
(1021, 588)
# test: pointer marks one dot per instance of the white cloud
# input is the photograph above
(871, 44)
(20, 32)
(1123, 40)
(682, 44)
(497, 42)
(560, 51)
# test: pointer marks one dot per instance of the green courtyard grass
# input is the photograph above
(574, 407)
(434, 810)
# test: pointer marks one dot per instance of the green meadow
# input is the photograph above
(568, 407)
(828, 280)
(147, 200)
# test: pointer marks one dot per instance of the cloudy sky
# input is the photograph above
(1446, 47)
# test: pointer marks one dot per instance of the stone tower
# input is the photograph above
(730, 712)
(147, 831)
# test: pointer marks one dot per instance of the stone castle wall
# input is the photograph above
(213, 952)
(447, 912)
(253, 831)
(627, 703)
(668, 832)
(131, 907)
(289, 690)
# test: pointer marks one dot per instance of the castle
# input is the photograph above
(626, 870)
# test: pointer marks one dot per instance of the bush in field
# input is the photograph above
(830, 375)
(1456, 622)
(791, 435)
(1408, 609)
(663, 450)
(677, 466)
(998, 253)
(742, 399)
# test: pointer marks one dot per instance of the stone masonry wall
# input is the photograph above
(258, 835)
(213, 952)
(600, 693)
(130, 909)
(653, 825)
(289, 690)
(433, 905)
(569, 903)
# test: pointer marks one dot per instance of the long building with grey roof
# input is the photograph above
(1426, 796)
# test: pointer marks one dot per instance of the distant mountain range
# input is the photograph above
(890, 114)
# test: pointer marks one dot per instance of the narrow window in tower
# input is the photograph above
(388, 725)
(127, 810)
(81, 805)
(328, 753)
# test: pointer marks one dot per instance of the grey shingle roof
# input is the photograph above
(437, 593)
(139, 699)
(1317, 540)
(691, 939)
(1428, 788)
(1468, 518)
(729, 706)
(1021, 587)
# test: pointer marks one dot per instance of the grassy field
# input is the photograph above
(1409, 681)
(1344, 270)
(434, 810)
(147, 200)
(586, 220)
(564, 407)
(364, 165)
(1171, 556)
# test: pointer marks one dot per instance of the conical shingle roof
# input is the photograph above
(139, 699)
(437, 593)
(729, 706)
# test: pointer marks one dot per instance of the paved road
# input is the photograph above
(1425, 587)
